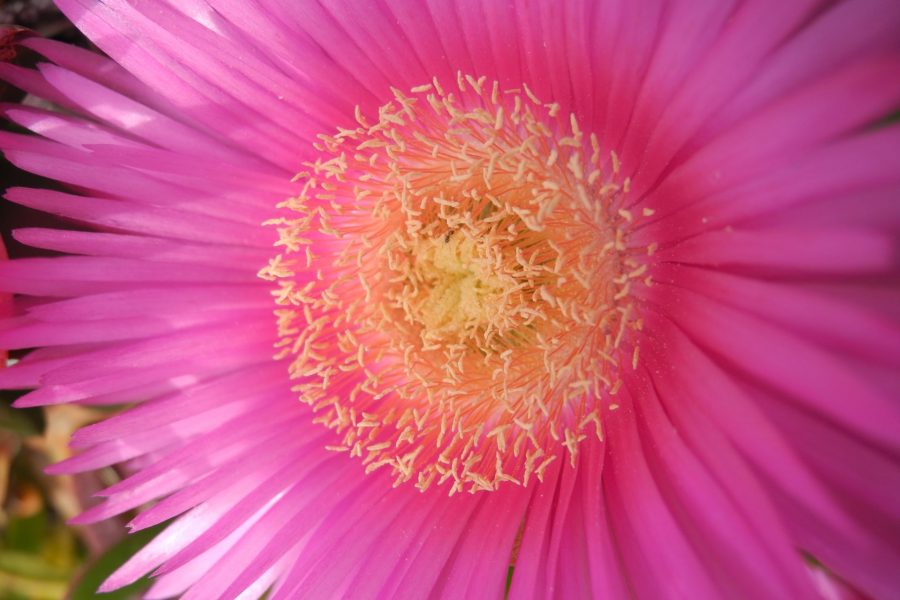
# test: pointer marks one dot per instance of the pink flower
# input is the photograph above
(605, 291)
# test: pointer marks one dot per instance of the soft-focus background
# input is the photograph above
(40, 556)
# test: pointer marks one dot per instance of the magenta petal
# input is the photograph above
(604, 561)
(805, 251)
(653, 545)
(802, 372)
(746, 550)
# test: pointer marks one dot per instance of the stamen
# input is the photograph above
(455, 285)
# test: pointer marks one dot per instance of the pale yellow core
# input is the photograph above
(454, 290)
(455, 286)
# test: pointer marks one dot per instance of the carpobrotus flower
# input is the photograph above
(407, 294)
(458, 285)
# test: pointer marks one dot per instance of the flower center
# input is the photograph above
(452, 289)
(455, 285)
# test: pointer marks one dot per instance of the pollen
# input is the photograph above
(455, 285)
(453, 289)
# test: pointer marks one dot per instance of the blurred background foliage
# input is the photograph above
(41, 556)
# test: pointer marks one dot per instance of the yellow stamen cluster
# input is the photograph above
(454, 285)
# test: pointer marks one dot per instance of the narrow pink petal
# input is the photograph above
(153, 482)
(808, 509)
(839, 103)
(400, 544)
(64, 129)
(846, 465)
(869, 562)
(831, 251)
(222, 481)
(842, 169)
(174, 537)
(868, 209)
(430, 551)
(300, 487)
(151, 220)
(752, 30)
(741, 549)
(142, 247)
(79, 275)
(803, 372)
(130, 116)
(274, 31)
(482, 556)
(97, 68)
(842, 33)
(25, 333)
(165, 362)
(653, 544)
(196, 74)
(686, 33)
(146, 442)
(843, 325)
(539, 550)
(608, 575)
(256, 382)
(106, 176)
(30, 81)
(298, 513)
(27, 372)
(334, 576)
(530, 579)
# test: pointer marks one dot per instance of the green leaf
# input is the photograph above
(26, 534)
(23, 421)
(15, 587)
(31, 566)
